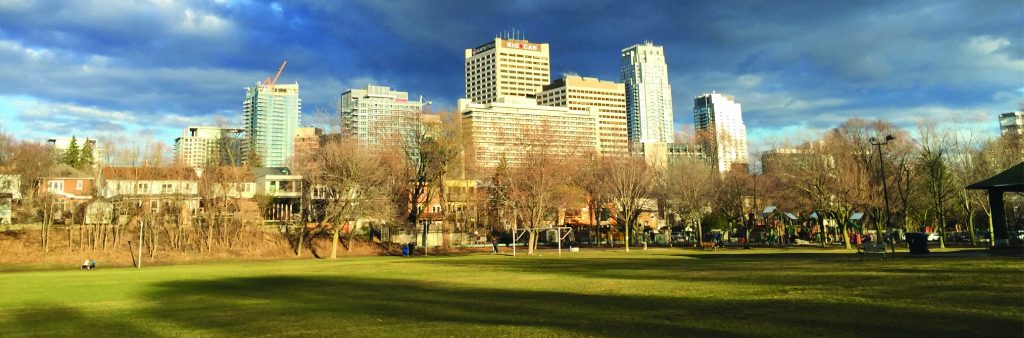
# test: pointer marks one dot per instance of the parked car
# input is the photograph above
(933, 237)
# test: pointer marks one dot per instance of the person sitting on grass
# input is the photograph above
(85, 265)
(92, 264)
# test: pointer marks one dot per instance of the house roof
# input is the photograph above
(148, 173)
(229, 173)
(258, 172)
(1010, 180)
(66, 171)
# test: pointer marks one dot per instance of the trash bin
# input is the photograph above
(918, 243)
(412, 248)
(405, 250)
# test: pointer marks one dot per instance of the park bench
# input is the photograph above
(706, 245)
(871, 248)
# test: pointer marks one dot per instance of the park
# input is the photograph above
(659, 292)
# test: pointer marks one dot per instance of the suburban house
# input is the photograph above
(228, 182)
(10, 191)
(152, 189)
(282, 189)
(68, 186)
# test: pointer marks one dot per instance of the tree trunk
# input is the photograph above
(530, 242)
(700, 231)
(628, 226)
(348, 237)
(970, 227)
(334, 241)
(846, 233)
(942, 229)
(302, 238)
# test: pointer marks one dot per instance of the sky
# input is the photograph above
(140, 71)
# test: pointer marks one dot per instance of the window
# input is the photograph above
(79, 185)
(143, 188)
(56, 186)
(154, 206)
(166, 188)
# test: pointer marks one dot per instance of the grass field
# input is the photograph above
(659, 292)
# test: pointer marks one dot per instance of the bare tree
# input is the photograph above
(691, 188)
(935, 147)
(353, 183)
(629, 184)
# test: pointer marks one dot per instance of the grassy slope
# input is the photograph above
(664, 292)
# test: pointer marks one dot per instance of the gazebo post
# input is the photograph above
(999, 235)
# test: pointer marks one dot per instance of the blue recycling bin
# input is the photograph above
(405, 250)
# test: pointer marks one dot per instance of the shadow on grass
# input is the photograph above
(63, 321)
(370, 307)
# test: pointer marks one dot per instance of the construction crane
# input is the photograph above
(270, 83)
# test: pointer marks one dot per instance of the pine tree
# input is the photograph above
(85, 159)
(71, 154)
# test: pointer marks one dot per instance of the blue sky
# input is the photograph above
(142, 70)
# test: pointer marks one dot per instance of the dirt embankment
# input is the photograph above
(24, 249)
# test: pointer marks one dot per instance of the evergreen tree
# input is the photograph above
(85, 159)
(71, 154)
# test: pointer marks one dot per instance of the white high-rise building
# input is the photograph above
(506, 68)
(517, 128)
(271, 117)
(648, 94)
(200, 146)
(718, 120)
(377, 114)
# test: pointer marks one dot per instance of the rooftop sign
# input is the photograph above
(522, 45)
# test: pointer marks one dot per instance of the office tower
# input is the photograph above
(377, 115)
(606, 98)
(1011, 123)
(272, 114)
(201, 146)
(514, 128)
(718, 120)
(648, 94)
(506, 68)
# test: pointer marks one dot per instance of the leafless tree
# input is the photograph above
(353, 183)
(629, 184)
(691, 189)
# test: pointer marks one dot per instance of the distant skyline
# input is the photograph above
(147, 70)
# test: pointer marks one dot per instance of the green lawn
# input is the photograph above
(658, 292)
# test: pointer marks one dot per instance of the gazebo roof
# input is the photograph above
(1010, 180)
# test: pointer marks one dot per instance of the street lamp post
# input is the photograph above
(885, 186)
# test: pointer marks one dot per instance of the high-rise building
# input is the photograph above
(1011, 123)
(271, 116)
(606, 98)
(307, 142)
(378, 114)
(648, 94)
(506, 68)
(718, 120)
(514, 128)
(201, 146)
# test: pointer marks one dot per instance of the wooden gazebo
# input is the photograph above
(1011, 180)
